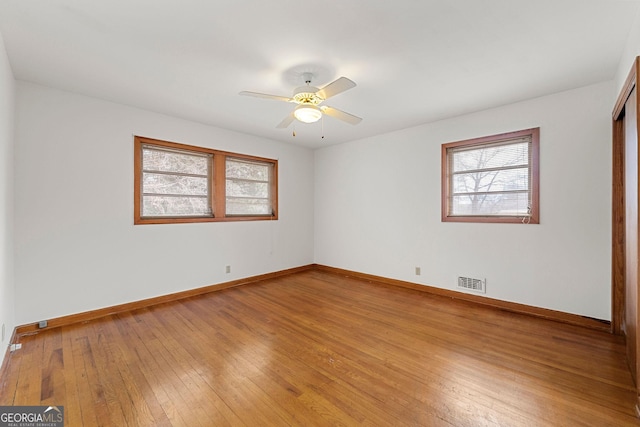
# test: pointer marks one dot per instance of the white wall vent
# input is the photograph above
(471, 284)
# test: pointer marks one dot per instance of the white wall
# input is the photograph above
(377, 207)
(7, 107)
(76, 246)
(631, 50)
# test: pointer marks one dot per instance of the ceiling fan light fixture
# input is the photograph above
(309, 99)
(307, 113)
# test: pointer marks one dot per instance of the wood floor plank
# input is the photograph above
(104, 382)
(164, 376)
(92, 404)
(79, 409)
(144, 407)
(204, 362)
(316, 348)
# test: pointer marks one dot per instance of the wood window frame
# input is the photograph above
(534, 166)
(217, 184)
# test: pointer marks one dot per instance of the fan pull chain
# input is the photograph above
(322, 126)
(294, 129)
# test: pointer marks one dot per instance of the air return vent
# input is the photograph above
(471, 284)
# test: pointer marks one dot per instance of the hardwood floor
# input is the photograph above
(315, 348)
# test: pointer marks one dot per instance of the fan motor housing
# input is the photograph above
(307, 95)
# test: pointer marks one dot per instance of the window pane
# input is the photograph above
(173, 184)
(175, 206)
(493, 156)
(247, 170)
(496, 180)
(178, 179)
(247, 189)
(169, 161)
(492, 178)
(248, 207)
(511, 204)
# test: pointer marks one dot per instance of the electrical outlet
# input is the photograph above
(227, 269)
(418, 271)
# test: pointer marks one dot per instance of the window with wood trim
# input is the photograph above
(247, 187)
(177, 183)
(492, 179)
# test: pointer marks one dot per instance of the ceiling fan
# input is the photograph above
(309, 99)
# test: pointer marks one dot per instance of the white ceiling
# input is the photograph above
(414, 61)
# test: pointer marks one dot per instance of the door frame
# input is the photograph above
(619, 305)
(618, 203)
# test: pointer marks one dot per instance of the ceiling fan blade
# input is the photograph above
(266, 96)
(336, 87)
(341, 115)
(287, 121)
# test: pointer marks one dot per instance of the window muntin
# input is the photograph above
(180, 183)
(491, 179)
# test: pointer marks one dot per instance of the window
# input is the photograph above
(177, 183)
(248, 184)
(492, 179)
